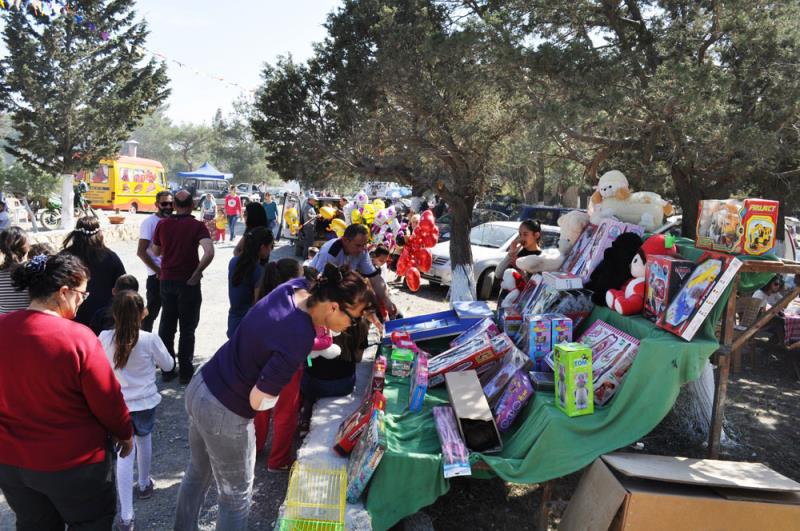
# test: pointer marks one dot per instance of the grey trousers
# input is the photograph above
(222, 446)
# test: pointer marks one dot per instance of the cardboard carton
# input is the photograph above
(560, 280)
(737, 227)
(351, 429)
(478, 354)
(627, 492)
(664, 276)
(418, 384)
(588, 251)
(366, 457)
(475, 421)
(573, 379)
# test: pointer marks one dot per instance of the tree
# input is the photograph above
(25, 183)
(156, 136)
(76, 92)
(192, 142)
(399, 90)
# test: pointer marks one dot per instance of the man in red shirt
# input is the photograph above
(176, 240)
(233, 209)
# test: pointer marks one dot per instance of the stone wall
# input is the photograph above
(127, 231)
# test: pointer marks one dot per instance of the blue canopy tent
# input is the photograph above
(206, 170)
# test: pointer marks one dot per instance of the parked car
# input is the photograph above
(199, 187)
(546, 215)
(248, 192)
(479, 217)
(490, 243)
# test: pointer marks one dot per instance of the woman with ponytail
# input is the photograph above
(135, 354)
(13, 249)
(245, 272)
(246, 375)
(60, 402)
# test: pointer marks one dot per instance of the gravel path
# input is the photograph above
(170, 443)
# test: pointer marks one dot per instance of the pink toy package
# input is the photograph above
(613, 352)
(583, 261)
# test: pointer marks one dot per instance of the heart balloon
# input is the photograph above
(427, 216)
(428, 240)
(424, 259)
(402, 264)
(338, 226)
(412, 278)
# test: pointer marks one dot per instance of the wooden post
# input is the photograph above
(724, 364)
(544, 509)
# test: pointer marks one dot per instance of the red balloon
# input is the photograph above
(412, 278)
(402, 264)
(429, 240)
(426, 224)
(424, 259)
(427, 215)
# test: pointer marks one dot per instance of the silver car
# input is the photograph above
(490, 243)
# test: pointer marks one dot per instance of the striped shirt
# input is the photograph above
(11, 299)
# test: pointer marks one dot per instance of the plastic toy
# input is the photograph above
(573, 379)
(737, 227)
(455, 456)
(315, 498)
(664, 276)
(292, 220)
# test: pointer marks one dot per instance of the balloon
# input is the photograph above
(357, 219)
(368, 214)
(361, 199)
(327, 212)
(424, 259)
(382, 217)
(427, 215)
(412, 278)
(379, 204)
(429, 240)
(338, 226)
(292, 220)
(426, 224)
(402, 264)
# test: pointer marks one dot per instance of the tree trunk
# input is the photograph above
(67, 202)
(689, 194)
(462, 287)
(30, 213)
(540, 168)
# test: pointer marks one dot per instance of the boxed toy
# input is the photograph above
(575, 303)
(560, 329)
(698, 295)
(582, 261)
(366, 457)
(403, 340)
(352, 427)
(613, 352)
(473, 415)
(538, 337)
(542, 381)
(561, 281)
(378, 375)
(429, 326)
(573, 379)
(515, 396)
(737, 227)
(402, 362)
(455, 456)
(511, 320)
(531, 287)
(476, 354)
(418, 384)
(484, 326)
(664, 276)
(471, 309)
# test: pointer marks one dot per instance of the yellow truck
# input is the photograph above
(126, 183)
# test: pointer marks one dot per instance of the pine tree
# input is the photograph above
(76, 85)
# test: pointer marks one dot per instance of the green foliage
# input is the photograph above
(17, 179)
(74, 97)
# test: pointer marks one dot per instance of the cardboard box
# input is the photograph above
(698, 295)
(366, 457)
(418, 384)
(737, 227)
(511, 320)
(475, 421)
(560, 280)
(538, 336)
(475, 354)
(515, 396)
(484, 326)
(351, 429)
(573, 379)
(560, 329)
(429, 326)
(664, 276)
(402, 362)
(378, 375)
(627, 492)
(588, 251)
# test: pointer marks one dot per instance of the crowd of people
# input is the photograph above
(78, 381)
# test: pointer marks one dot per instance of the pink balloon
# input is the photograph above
(412, 279)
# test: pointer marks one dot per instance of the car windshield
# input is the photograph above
(491, 235)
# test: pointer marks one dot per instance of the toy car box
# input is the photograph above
(366, 457)
(429, 326)
(573, 379)
(737, 227)
(351, 429)
(664, 276)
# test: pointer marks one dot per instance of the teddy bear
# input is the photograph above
(514, 282)
(629, 299)
(324, 345)
(571, 224)
(613, 198)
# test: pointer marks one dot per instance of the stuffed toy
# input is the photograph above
(614, 270)
(514, 282)
(629, 300)
(324, 346)
(613, 198)
(571, 224)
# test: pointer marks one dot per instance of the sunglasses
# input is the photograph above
(353, 320)
(165, 203)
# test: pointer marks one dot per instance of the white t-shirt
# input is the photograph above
(146, 232)
(767, 300)
(138, 377)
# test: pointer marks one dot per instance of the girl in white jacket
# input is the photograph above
(134, 354)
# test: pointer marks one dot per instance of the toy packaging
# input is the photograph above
(352, 427)
(530, 288)
(562, 281)
(476, 354)
(538, 337)
(497, 384)
(582, 261)
(560, 329)
(698, 295)
(403, 340)
(664, 276)
(575, 303)
(429, 326)
(573, 379)
(737, 227)
(471, 309)
(402, 362)
(542, 381)
(418, 384)
(515, 396)
(473, 415)
(511, 320)
(484, 326)
(366, 457)
(613, 352)
(378, 375)
(455, 456)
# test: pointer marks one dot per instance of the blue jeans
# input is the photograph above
(232, 225)
(223, 447)
(180, 304)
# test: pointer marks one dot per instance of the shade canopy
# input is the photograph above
(206, 170)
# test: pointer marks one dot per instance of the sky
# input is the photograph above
(231, 40)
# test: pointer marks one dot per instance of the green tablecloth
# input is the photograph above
(544, 444)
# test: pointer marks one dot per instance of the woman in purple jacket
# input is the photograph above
(246, 375)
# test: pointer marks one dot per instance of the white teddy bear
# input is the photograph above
(571, 224)
(613, 198)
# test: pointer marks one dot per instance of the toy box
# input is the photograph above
(455, 456)
(473, 414)
(538, 337)
(573, 379)
(698, 295)
(429, 326)
(530, 289)
(588, 251)
(560, 329)
(613, 352)
(664, 276)
(511, 320)
(471, 309)
(737, 227)
(476, 354)
(418, 384)
(402, 362)
(366, 457)
(378, 375)
(352, 427)
(515, 396)
(575, 303)
(402, 340)
(484, 326)
(560, 281)
(542, 381)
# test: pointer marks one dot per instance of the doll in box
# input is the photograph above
(629, 300)
(581, 391)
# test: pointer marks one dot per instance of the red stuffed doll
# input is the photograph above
(629, 300)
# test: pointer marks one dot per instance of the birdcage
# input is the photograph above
(315, 499)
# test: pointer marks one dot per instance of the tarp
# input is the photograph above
(544, 444)
(206, 170)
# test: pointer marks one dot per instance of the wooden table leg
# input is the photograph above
(544, 509)
(720, 394)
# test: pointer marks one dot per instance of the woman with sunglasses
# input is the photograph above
(246, 375)
(59, 401)
(105, 267)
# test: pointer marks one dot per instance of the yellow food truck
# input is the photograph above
(127, 183)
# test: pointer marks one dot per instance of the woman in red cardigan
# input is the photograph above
(60, 405)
